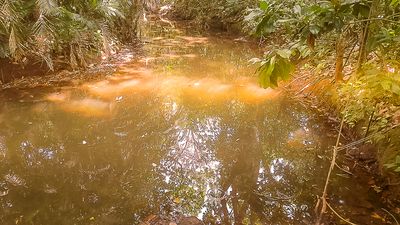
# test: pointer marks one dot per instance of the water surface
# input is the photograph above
(183, 130)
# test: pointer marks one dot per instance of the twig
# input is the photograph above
(333, 162)
(346, 171)
(351, 52)
(362, 140)
(397, 222)
(372, 19)
(369, 123)
(338, 215)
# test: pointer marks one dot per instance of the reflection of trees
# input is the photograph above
(73, 169)
(259, 181)
(245, 167)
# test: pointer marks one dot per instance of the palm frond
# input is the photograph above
(46, 7)
(110, 9)
(12, 42)
(9, 12)
(43, 26)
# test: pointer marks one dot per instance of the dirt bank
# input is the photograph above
(32, 75)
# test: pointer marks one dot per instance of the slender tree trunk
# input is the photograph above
(340, 49)
(363, 53)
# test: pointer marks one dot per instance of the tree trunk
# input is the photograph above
(363, 53)
(340, 48)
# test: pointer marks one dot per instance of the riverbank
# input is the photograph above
(319, 91)
(24, 77)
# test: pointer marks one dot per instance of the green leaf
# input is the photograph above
(361, 10)
(284, 53)
(275, 69)
(390, 165)
(396, 89)
(263, 5)
(265, 26)
(297, 9)
(314, 29)
(394, 3)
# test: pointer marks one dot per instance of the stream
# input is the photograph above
(183, 130)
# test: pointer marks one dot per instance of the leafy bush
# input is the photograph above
(372, 100)
(376, 91)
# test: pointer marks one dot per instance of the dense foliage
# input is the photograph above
(359, 28)
(208, 13)
(362, 35)
(67, 31)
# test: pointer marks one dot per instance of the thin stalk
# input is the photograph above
(338, 215)
(369, 123)
(397, 222)
(332, 166)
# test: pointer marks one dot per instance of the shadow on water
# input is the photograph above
(182, 131)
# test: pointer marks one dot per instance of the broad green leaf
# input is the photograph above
(265, 26)
(275, 69)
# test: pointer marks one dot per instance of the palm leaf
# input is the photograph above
(43, 26)
(12, 42)
(46, 7)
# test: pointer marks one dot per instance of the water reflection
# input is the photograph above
(224, 162)
(189, 134)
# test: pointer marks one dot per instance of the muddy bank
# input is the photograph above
(38, 75)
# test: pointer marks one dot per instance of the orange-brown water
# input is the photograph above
(183, 130)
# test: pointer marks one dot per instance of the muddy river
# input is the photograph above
(183, 130)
